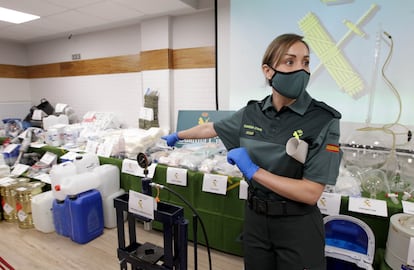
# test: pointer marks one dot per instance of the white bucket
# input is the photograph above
(109, 178)
(42, 212)
(401, 230)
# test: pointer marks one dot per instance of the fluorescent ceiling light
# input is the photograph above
(13, 16)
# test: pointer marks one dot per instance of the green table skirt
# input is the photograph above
(222, 215)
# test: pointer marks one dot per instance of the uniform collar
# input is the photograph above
(299, 106)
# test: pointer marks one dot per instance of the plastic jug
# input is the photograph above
(86, 212)
(57, 174)
(109, 210)
(42, 205)
(109, 178)
(61, 217)
(75, 184)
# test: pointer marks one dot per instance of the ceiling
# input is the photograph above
(62, 18)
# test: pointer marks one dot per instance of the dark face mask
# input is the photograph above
(290, 84)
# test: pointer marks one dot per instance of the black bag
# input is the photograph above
(45, 106)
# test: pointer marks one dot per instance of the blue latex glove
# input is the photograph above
(171, 139)
(240, 157)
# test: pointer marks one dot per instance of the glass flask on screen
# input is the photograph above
(349, 181)
(406, 164)
(408, 193)
(374, 181)
(366, 149)
(393, 170)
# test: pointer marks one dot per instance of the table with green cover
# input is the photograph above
(222, 215)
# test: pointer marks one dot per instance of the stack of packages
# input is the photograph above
(149, 114)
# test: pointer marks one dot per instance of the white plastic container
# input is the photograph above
(53, 137)
(86, 162)
(109, 177)
(400, 231)
(76, 184)
(71, 135)
(4, 169)
(53, 120)
(57, 175)
(42, 212)
(109, 210)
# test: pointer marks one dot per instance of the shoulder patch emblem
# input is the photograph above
(332, 148)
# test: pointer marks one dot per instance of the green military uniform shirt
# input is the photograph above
(264, 132)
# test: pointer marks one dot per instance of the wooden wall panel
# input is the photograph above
(156, 59)
(202, 57)
(10, 71)
(109, 65)
(43, 71)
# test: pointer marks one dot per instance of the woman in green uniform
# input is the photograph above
(283, 226)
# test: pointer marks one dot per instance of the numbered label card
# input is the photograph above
(408, 207)
(44, 177)
(410, 257)
(330, 203)
(130, 166)
(69, 156)
(105, 148)
(177, 176)
(215, 183)
(91, 146)
(243, 190)
(141, 204)
(368, 206)
(20, 169)
(146, 114)
(48, 158)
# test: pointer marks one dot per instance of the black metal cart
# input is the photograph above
(173, 255)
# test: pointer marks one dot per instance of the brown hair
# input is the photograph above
(279, 46)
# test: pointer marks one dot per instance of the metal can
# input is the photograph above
(24, 194)
(8, 201)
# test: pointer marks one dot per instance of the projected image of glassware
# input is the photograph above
(393, 171)
(408, 193)
(406, 165)
(366, 149)
(374, 181)
(349, 181)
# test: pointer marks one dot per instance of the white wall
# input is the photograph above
(223, 54)
(119, 93)
(119, 41)
(195, 30)
(15, 99)
(12, 53)
(193, 89)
